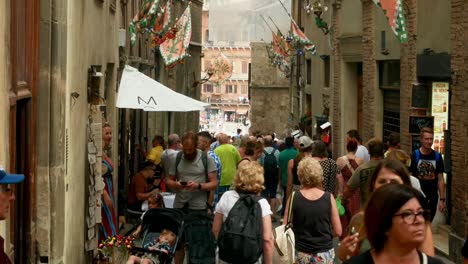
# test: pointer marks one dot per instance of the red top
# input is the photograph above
(138, 185)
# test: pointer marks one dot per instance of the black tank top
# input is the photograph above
(312, 223)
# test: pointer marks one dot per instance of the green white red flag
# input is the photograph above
(299, 38)
(175, 50)
(143, 19)
(393, 10)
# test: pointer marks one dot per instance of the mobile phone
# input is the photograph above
(183, 182)
(352, 231)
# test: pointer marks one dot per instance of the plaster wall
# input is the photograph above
(318, 90)
(91, 40)
(433, 25)
(73, 36)
(350, 22)
(392, 45)
(349, 115)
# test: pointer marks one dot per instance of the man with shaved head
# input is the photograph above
(229, 157)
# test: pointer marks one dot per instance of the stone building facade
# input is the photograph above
(59, 60)
(270, 97)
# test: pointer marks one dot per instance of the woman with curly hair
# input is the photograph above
(249, 180)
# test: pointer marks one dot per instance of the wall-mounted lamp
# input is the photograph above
(317, 8)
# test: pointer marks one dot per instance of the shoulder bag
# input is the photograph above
(284, 240)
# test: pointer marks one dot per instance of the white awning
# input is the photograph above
(138, 91)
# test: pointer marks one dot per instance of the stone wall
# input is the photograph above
(459, 126)
(269, 94)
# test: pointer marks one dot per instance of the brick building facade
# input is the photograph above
(459, 126)
(374, 76)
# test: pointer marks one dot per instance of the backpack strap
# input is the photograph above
(204, 158)
(418, 156)
(177, 161)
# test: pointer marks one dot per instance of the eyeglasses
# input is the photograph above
(6, 189)
(410, 217)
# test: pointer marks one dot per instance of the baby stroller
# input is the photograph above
(154, 221)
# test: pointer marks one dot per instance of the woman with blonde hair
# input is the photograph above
(249, 180)
(315, 219)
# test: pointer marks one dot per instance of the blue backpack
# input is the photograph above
(418, 156)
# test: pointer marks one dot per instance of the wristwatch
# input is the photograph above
(199, 186)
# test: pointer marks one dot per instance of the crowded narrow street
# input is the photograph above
(233, 131)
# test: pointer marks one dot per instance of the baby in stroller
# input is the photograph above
(161, 228)
(163, 244)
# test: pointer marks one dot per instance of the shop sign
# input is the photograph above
(440, 109)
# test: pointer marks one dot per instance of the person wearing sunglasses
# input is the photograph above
(395, 224)
(6, 197)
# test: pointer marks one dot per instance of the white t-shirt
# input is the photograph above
(228, 200)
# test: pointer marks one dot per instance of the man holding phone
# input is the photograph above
(190, 180)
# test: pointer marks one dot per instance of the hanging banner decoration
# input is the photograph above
(175, 50)
(278, 45)
(221, 70)
(299, 38)
(144, 19)
(393, 10)
(279, 53)
(161, 27)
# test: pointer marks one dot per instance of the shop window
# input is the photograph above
(230, 88)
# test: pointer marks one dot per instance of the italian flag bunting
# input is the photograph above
(393, 10)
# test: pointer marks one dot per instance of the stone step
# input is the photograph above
(441, 240)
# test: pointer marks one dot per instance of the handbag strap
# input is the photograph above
(290, 207)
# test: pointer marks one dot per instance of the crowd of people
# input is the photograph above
(390, 197)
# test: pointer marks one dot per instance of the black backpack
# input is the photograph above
(270, 165)
(240, 239)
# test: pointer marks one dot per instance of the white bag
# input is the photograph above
(284, 240)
